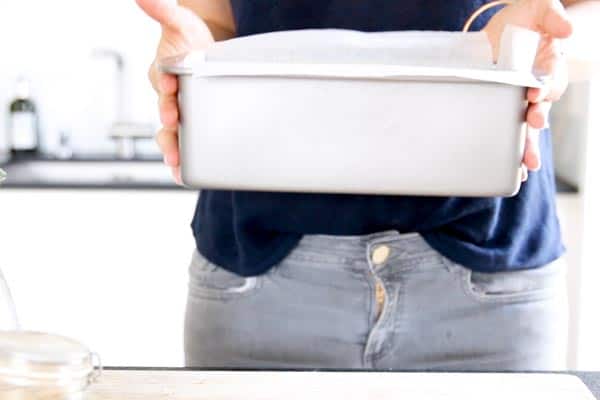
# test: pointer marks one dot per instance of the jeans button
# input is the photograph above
(380, 254)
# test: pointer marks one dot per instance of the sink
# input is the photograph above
(88, 173)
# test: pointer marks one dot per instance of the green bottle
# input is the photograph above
(23, 127)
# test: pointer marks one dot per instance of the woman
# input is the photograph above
(348, 281)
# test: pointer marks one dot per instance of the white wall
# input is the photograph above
(589, 330)
(108, 268)
(51, 42)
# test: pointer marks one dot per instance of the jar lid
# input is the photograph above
(40, 359)
(37, 347)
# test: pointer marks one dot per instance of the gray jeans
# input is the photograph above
(378, 301)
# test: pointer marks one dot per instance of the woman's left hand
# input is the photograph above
(549, 18)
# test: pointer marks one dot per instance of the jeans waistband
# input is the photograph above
(351, 249)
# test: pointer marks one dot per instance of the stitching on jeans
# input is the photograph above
(386, 319)
(391, 320)
(307, 256)
(371, 282)
(285, 270)
(378, 322)
(382, 352)
(206, 293)
(383, 321)
(198, 291)
(533, 295)
(366, 275)
(464, 275)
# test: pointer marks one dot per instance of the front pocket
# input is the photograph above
(211, 281)
(524, 285)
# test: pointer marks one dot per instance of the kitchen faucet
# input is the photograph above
(123, 131)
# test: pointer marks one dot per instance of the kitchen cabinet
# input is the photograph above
(106, 267)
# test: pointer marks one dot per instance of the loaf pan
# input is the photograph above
(403, 113)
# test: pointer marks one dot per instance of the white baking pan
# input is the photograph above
(406, 113)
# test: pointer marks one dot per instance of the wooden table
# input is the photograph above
(182, 384)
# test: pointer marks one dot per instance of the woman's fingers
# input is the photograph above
(553, 19)
(551, 92)
(162, 83)
(167, 100)
(169, 145)
(164, 12)
(168, 84)
(538, 113)
(169, 112)
(176, 172)
(536, 95)
(532, 158)
(550, 63)
(182, 31)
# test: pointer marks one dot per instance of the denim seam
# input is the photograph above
(536, 295)
(467, 287)
(383, 319)
(371, 279)
(391, 319)
(382, 322)
(317, 257)
(367, 275)
(206, 293)
(197, 286)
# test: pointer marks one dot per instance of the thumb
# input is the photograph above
(165, 12)
(553, 19)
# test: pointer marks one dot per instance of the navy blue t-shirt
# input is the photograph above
(249, 232)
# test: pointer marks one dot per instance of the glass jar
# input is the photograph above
(37, 365)
(8, 315)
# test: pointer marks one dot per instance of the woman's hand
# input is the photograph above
(548, 17)
(182, 31)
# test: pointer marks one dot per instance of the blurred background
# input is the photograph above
(94, 235)
(78, 66)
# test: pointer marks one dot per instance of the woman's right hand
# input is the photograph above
(182, 32)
